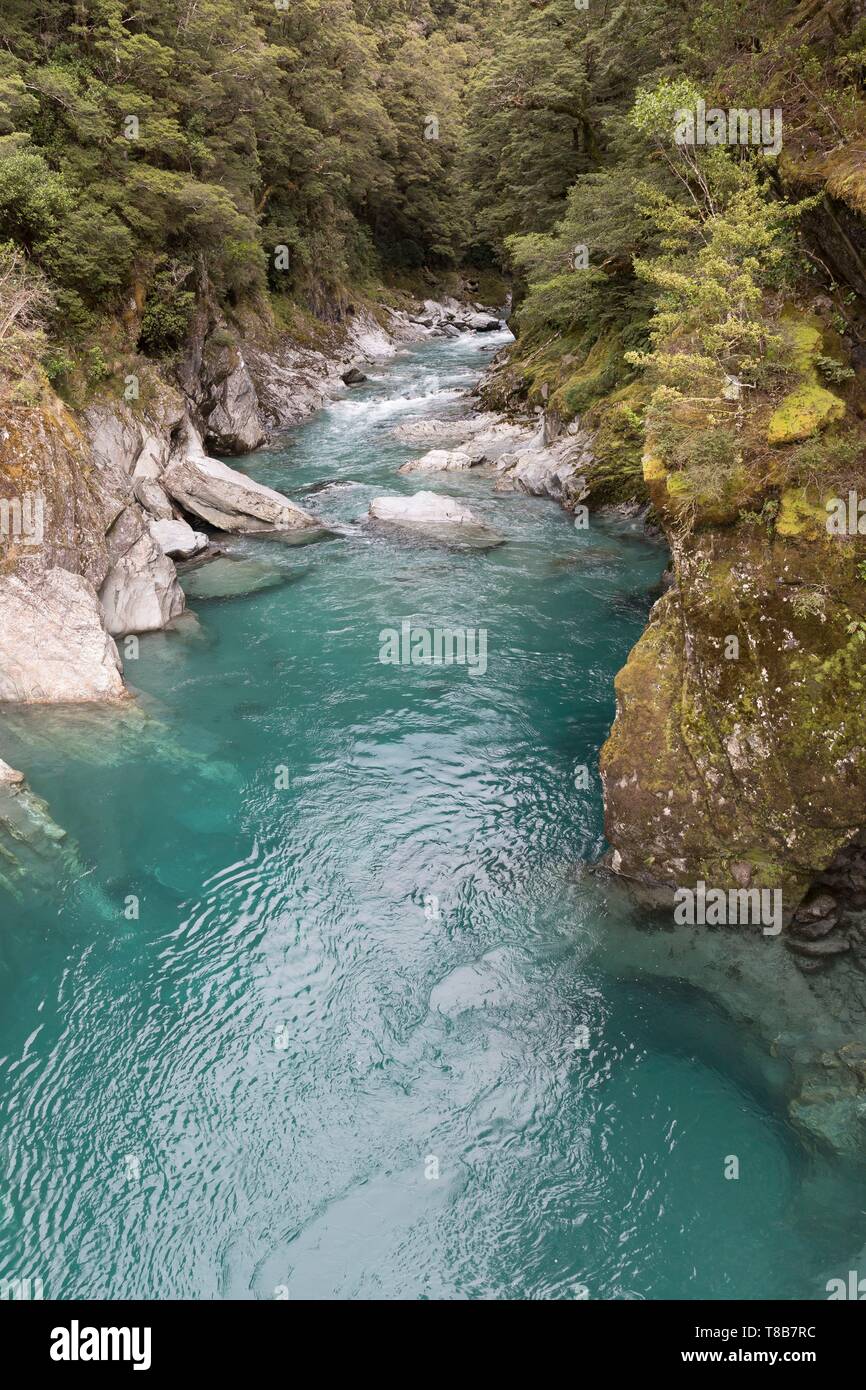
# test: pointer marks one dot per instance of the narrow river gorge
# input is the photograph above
(326, 1006)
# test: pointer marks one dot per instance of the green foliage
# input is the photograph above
(765, 518)
(833, 371)
(96, 368)
(167, 311)
(208, 133)
(57, 365)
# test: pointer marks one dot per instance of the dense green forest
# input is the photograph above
(290, 147)
(299, 151)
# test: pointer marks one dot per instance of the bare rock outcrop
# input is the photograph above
(216, 381)
(141, 592)
(54, 645)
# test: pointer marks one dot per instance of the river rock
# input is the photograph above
(460, 428)
(484, 323)
(442, 461)
(828, 946)
(353, 377)
(422, 509)
(556, 471)
(225, 578)
(229, 500)
(177, 539)
(814, 930)
(9, 777)
(438, 516)
(53, 645)
(141, 592)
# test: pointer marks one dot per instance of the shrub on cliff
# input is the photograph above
(25, 299)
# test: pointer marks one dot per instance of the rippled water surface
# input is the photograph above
(362, 954)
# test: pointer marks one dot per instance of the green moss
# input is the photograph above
(595, 377)
(803, 413)
(617, 474)
(810, 407)
(653, 469)
(800, 514)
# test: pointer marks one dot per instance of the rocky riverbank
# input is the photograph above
(128, 486)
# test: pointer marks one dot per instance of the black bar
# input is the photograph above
(277, 1337)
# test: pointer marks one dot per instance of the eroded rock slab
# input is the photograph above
(229, 500)
(432, 514)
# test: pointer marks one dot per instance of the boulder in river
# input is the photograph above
(484, 323)
(433, 514)
(443, 461)
(229, 500)
(353, 377)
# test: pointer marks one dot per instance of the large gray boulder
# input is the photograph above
(53, 646)
(229, 500)
(483, 323)
(443, 461)
(422, 509)
(141, 592)
(430, 514)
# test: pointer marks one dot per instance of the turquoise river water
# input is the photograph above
(323, 1006)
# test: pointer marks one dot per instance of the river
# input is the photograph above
(331, 1013)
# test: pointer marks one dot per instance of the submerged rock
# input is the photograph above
(37, 854)
(227, 578)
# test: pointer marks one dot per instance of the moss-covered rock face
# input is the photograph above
(739, 748)
(44, 453)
